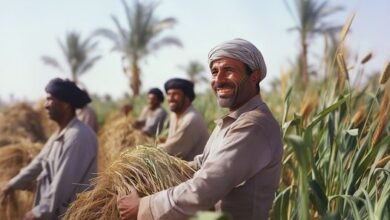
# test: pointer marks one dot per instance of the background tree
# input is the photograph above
(310, 18)
(78, 54)
(139, 39)
(195, 72)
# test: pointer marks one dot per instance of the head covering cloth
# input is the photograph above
(67, 91)
(241, 50)
(158, 93)
(186, 86)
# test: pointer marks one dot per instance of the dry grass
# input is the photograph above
(23, 121)
(12, 158)
(147, 169)
(116, 135)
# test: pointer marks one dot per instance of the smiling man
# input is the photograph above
(239, 170)
(68, 160)
(187, 134)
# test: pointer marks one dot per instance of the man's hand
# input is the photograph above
(128, 205)
(5, 191)
(29, 216)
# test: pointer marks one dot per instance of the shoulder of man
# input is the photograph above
(80, 131)
(260, 116)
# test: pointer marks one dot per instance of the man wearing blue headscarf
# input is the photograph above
(239, 170)
(67, 162)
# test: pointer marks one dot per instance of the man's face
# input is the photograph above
(54, 107)
(231, 84)
(176, 99)
(153, 101)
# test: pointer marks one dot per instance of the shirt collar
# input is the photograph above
(253, 103)
(70, 124)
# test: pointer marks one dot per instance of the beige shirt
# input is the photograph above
(153, 120)
(187, 136)
(239, 170)
(63, 168)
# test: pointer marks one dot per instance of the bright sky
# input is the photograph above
(30, 29)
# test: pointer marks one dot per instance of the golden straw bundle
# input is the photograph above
(12, 158)
(147, 169)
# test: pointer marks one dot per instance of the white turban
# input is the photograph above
(241, 50)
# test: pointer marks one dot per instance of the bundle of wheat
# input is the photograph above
(147, 169)
(12, 158)
(22, 121)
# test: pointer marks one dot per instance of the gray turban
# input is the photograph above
(241, 50)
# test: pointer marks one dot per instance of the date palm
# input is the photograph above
(139, 39)
(310, 16)
(78, 54)
(195, 71)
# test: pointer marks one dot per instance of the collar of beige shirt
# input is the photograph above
(253, 103)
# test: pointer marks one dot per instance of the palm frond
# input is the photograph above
(50, 61)
(164, 24)
(165, 42)
(88, 64)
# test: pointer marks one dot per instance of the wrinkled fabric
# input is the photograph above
(187, 136)
(64, 167)
(153, 120)
(238, 174)
(241, 50)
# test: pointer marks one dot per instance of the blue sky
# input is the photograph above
(30, 29)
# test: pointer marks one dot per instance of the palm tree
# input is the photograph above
(195, 70)
(139, 39)
(77, 53)
(310, 18)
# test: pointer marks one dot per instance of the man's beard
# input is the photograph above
(229, 102)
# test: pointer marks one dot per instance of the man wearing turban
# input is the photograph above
(68, 160)
(152, 117)
(239, 170)
(187, 134)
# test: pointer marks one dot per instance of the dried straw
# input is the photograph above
(12, 159)
(385, 75)
(23, 121)
(147, 169)
(116, 135)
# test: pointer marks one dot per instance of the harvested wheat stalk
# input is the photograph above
(147, 169)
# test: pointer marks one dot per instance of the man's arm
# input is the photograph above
(29, 173)
(78, 157)
(245, 151)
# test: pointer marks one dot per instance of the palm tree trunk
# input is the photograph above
(303, 64)
(135, 81)
(74, 77)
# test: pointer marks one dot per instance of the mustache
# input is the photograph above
(223, 85)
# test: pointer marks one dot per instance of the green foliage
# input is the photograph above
(210, 216)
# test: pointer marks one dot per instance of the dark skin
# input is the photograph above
(62, 113)
(178, 102)
(232, 85)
